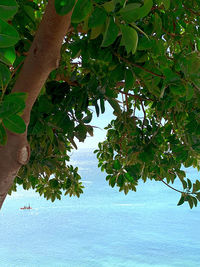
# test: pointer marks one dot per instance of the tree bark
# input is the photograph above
(42, 58)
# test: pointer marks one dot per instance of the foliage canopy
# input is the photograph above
(148, 52)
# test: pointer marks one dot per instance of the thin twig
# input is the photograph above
(144, 117)
(126, 101)
(170, 33)
(171, 186)
(192, 11)
(136, 96)
(138, 66)
(16, 69)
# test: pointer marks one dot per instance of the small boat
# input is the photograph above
(26, 208)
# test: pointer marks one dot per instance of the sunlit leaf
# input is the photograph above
(111, 33)
(130, 38)
(7, 55)
(15, 124)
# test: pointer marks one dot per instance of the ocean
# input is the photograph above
(102, 228)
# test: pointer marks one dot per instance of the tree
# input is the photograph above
(87, 52)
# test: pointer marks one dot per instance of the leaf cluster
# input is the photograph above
(142, 57)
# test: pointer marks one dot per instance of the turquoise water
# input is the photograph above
(103, 228)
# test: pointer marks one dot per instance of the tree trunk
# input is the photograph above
(42, 58)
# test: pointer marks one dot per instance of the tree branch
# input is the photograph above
(42, 58)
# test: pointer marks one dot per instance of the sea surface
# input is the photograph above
(103, 228)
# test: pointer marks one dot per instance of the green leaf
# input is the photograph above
(109, 6)
(129, 12)
(117, 165)
(16, 97)
(8, 35)
(81, 10)
(15, 124)
(73, 143)
(30, 12)
(115, 105)
(3, 136)
(116, 75)
(8, 108)
(129, 177)
(8, 8)
(66, 124)
(197, 185)
(126, 189)
(95, 32)
(189, 92)
(129, 79)
(90, 130)
(144, 157)
(170, 76)
(53, 183)
(4, 75)
(88, 118)
(189, 183)
(178, 90)
(7, 55)
(145, 44)
(166, 4)
(184, 183)
(157, 23)
(194, 201)
(112, 181)
(181, 201)
(63, 7)
(97, 18)
(181, 174)
(102, 105)
(12, 104)
(97, 108)
(198, 196)
(111, 32)
(133, 12)
(120, 180)
(45, 105)
(49, 132)
(19, 180)
(81, 132)
(190, 202)
(130, 38)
